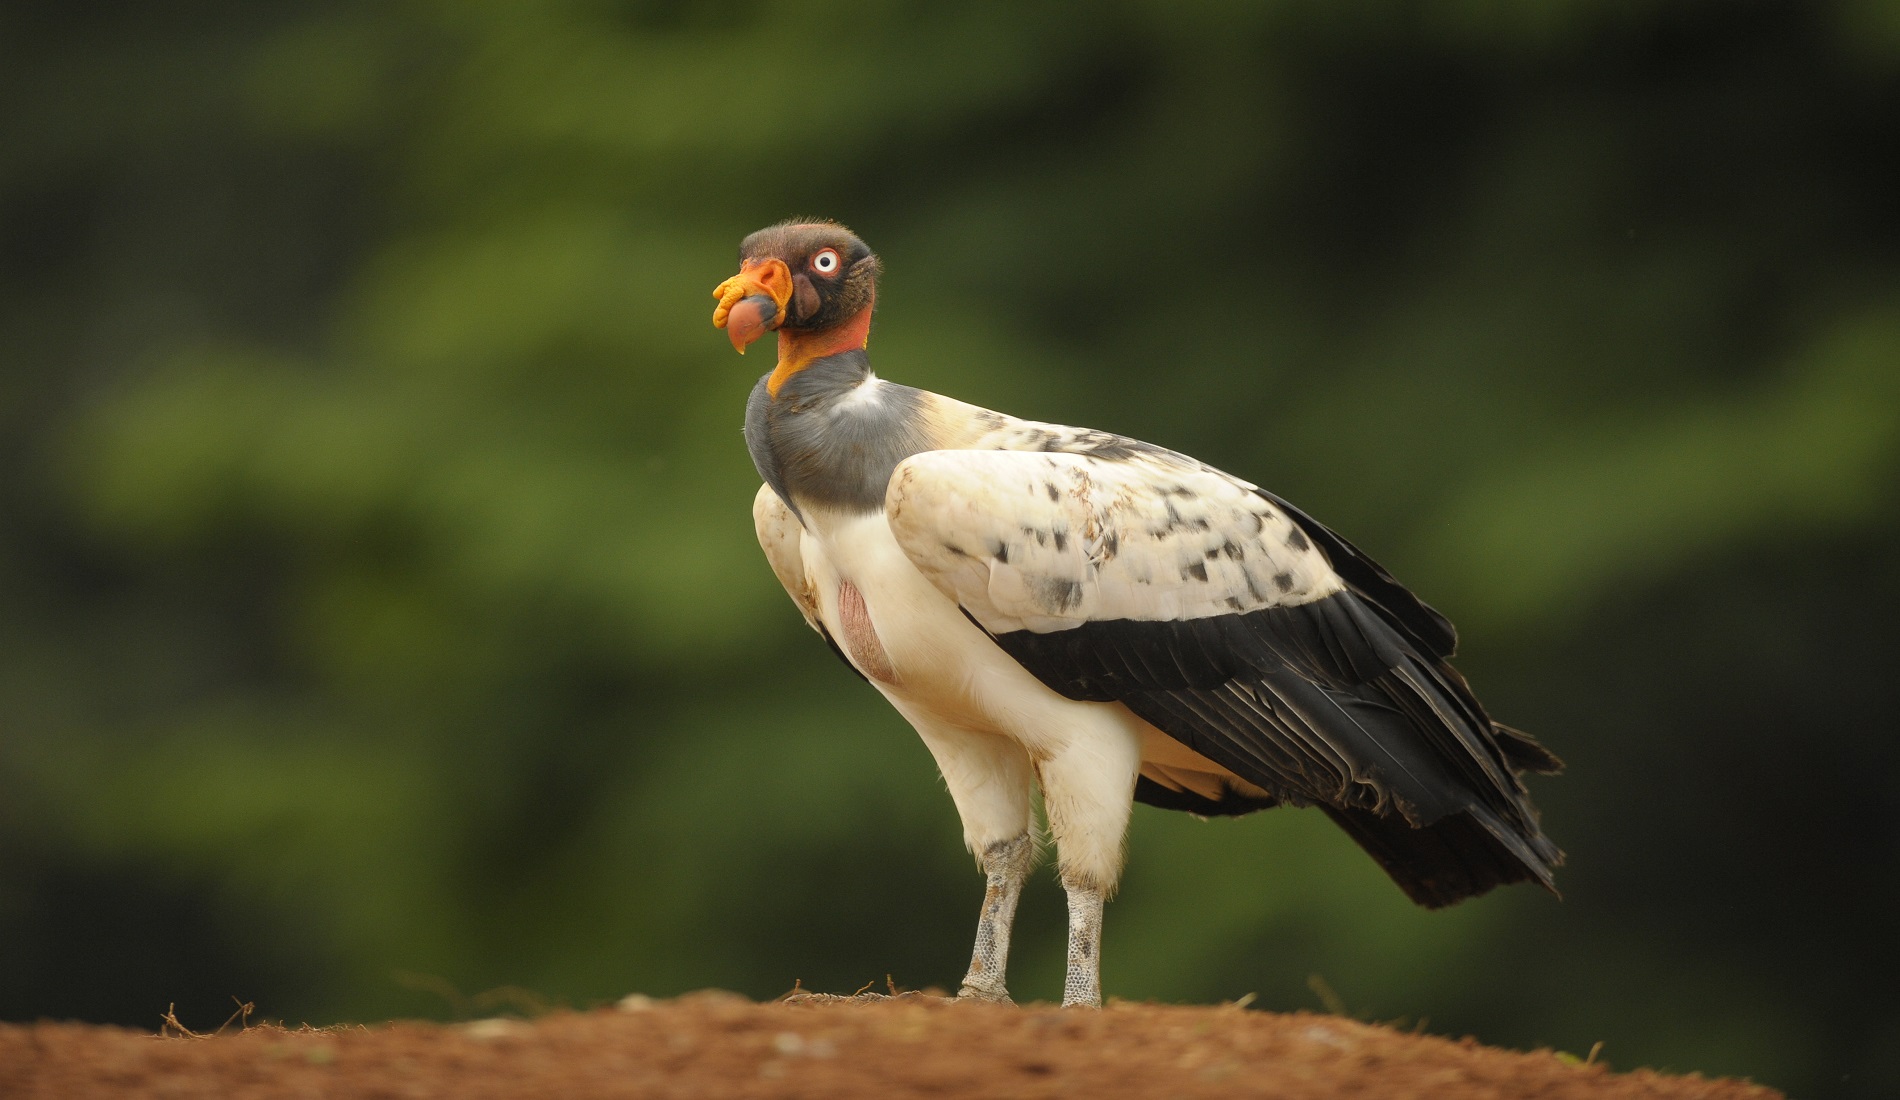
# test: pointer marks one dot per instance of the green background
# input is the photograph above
(381, 627)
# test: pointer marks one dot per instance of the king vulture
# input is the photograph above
(1103, 619)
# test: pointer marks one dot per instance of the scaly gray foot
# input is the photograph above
(1082, 987)
(1006, 864)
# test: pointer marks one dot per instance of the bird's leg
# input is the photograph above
(1006, 864)
(1088, 792)
(1083, 985)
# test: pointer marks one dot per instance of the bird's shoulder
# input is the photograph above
(780, 536)
(995, 431)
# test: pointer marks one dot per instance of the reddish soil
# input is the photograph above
(721, 1045)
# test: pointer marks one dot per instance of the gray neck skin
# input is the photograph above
(825, 443)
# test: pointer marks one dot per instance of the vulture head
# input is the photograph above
(812, 282)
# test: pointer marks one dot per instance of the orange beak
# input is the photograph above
(752, 302)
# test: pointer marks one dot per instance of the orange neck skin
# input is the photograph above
(797, 350)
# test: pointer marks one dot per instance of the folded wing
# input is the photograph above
(1237, 625)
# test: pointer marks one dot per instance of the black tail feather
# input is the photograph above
(1457, 857)
(1524, 752)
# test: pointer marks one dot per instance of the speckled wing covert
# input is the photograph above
(1115, 570)
(1048, 542)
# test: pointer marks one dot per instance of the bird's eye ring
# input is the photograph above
(825, 263)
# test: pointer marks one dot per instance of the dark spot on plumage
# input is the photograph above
(1000, 552)
(956, 550)
(1054, 493)
(1212, 554)
(1258, 525)
(1234, 551)
(1296, 538)
(1113, 448)
(1201, 524)
(1183, 492)
(1111, 544)
(1234, 604)
(1058, 595)
(1062, 541)
(1197, 570)
(1050, 443)
(1174, 514)
(1283, 581)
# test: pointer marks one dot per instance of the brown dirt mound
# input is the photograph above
(719, 1044)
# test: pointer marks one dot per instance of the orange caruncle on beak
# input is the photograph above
(752, 302)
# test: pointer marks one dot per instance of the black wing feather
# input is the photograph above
(1231, 803)
(1329, 703)
(1422, 622)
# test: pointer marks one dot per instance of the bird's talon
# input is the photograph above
(988, 996)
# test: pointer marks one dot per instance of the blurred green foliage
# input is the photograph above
(379, 609)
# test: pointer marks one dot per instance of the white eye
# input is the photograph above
(825, 262)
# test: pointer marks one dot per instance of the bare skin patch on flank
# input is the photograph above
(860, 637)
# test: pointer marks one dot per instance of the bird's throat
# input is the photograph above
(798, 350)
